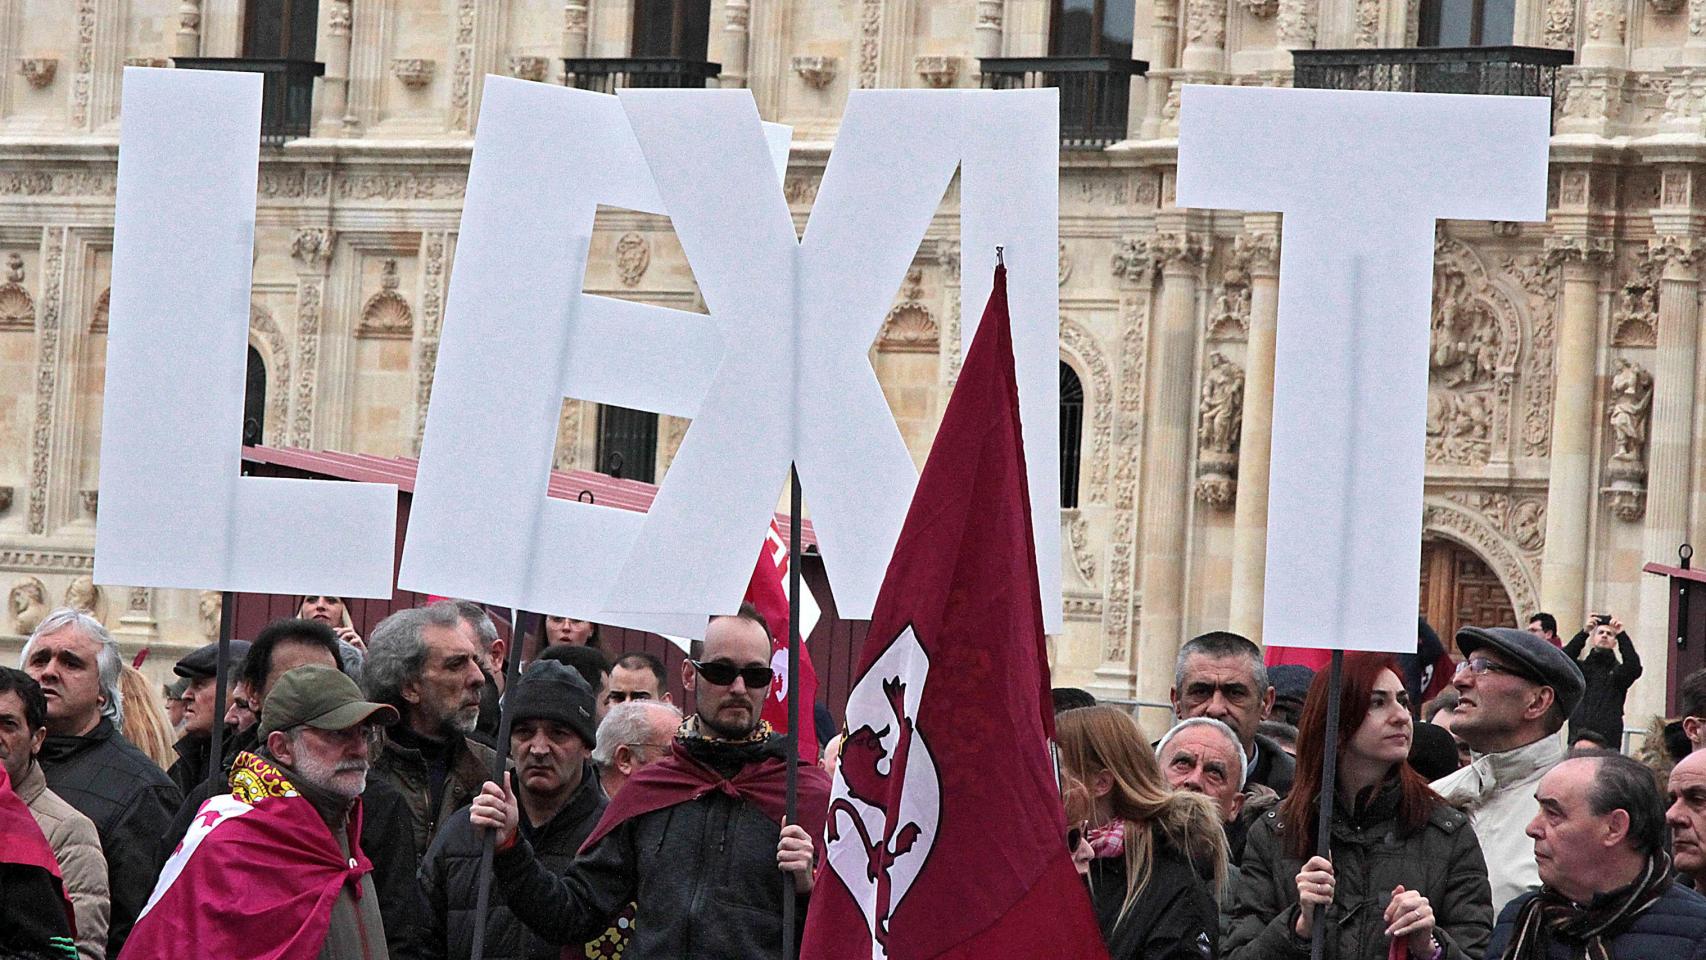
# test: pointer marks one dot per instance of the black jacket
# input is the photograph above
(387, 837)
(1674, 928)
(190, 769)
(32, 915)
(451, 869)
(703, 874)
(110, 781)
(1275, 769)
(1174, 918)
(1608, 681)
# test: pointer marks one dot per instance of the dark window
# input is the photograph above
(281, 29)
(676, 29)
(255, 401)
(1466, 23)
(1071, 433)
(627, 443)
(1091, 28)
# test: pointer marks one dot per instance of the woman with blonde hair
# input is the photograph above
(1159, 854)
(145, 722)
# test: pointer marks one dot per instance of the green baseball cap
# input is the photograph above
(322, 697)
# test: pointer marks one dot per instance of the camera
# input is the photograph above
(1603, 619)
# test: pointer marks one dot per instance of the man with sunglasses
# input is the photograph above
(696, 838)
(1515, 692)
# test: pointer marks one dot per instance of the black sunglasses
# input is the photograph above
(723, 674)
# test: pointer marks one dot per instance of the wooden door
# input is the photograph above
(1458, 588)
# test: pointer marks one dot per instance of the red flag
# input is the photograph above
(768, 591)
(255, 876)
(946, 833)
(22, 842)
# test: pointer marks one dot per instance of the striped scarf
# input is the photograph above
(1590, 928)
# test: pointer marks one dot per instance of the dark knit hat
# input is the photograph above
(552, 691)
(1290, 680)
(1433, 751)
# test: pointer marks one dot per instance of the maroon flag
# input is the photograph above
(22, 842)
(946, 834)
(768, 591)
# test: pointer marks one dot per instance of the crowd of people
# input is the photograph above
(347, 807)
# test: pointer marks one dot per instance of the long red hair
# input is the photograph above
(1356, 685)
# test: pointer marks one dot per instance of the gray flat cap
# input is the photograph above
(1537, 658)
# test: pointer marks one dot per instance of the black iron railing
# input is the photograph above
(1505, 71)
(608, 74)
(1095, 92)
(287, 91)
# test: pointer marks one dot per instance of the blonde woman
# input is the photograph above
(1159, 855)
(145, 722)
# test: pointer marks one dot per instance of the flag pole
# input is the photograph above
(500, 757)
(221, 678)
(1324, 818)
(789, 888)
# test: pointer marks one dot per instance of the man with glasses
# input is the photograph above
(632, 735)
(1221, 676)
(275, 867)
(1515, 692)
(695, 838)
(551, 736)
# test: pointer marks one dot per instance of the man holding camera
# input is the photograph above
(1610, 668)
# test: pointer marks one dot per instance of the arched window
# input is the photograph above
(255, 400)
(627, 443)
(1071, 434)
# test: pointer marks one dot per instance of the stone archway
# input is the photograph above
(1458, 587)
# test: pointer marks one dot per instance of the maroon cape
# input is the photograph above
(679, 778)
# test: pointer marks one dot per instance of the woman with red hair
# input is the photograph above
(1405, 878)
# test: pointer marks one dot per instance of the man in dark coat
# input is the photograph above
(1609, 888)
(387, 835)
(695, 839)
(197, 668)
(1221, 675)
(551, 739)
(1608, 675)
(91, 765)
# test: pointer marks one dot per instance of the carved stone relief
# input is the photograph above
(1473, 347)
(910, 327)
(83, 84)
(413, 72)
(1229, 316)
(209, 604)
(1628, 414)
(386, 315)
(1120, 612)
(462, 67)
(633, 256)
(102, 310)
(1367, 23)
(275, 353)
(1635, 316)
(1486, 531)
(1561, 24)
(1538, 275)
(1205, 23)
(312, 248)
(17, 307)
(1135, 261)
(47, 375)
(1221, 419)
(1078, 539)
(39, 71)
(28, 602)
(1081, 346)
(432, 316)
(1295, 24)
(870, 30)
(83, 595)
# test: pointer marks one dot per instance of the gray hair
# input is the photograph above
(1219, 645)
(627, 723)
(1218, 727)
(396, 652)
(106, 658)
(353, 660)
(480, 620)
(1624, 783)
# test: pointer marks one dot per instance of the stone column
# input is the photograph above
(574, 29)
(987, 40)
(335, 115)
(1569, 492)
(736, 15)
(1205, 36)
(1250, 516)
(1165, 33)
(189, 29)
(1166, 464)
(1670, 449)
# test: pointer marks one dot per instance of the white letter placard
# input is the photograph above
(175, 511)
(1361, 179)
(777, 372)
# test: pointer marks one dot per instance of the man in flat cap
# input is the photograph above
(275, 867)
(1515, 691)
(196, 669)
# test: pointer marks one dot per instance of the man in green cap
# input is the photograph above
(275, 867)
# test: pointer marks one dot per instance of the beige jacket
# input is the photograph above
(81, 863)
(1497, 791)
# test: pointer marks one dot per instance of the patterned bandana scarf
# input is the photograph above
(1589, 929)
(692, 730)
(1107, 840)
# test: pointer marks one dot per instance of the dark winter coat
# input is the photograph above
(406, 771)
(1674, 928)
(450, 871)
(703, 874)
(190, 769)
(1174, 918)
(1442, 861)
(1608, 681)
(387, 837)
(33, 925)
(1275, 769)
(130, 799)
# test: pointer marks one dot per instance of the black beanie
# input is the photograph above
(551, 691)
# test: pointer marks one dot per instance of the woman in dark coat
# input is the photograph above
(1405, 877)
(1160, 855)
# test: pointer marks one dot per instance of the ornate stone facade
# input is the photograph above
(357, 230)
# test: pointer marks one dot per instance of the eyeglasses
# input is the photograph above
(1481, 666)
(723, 674)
